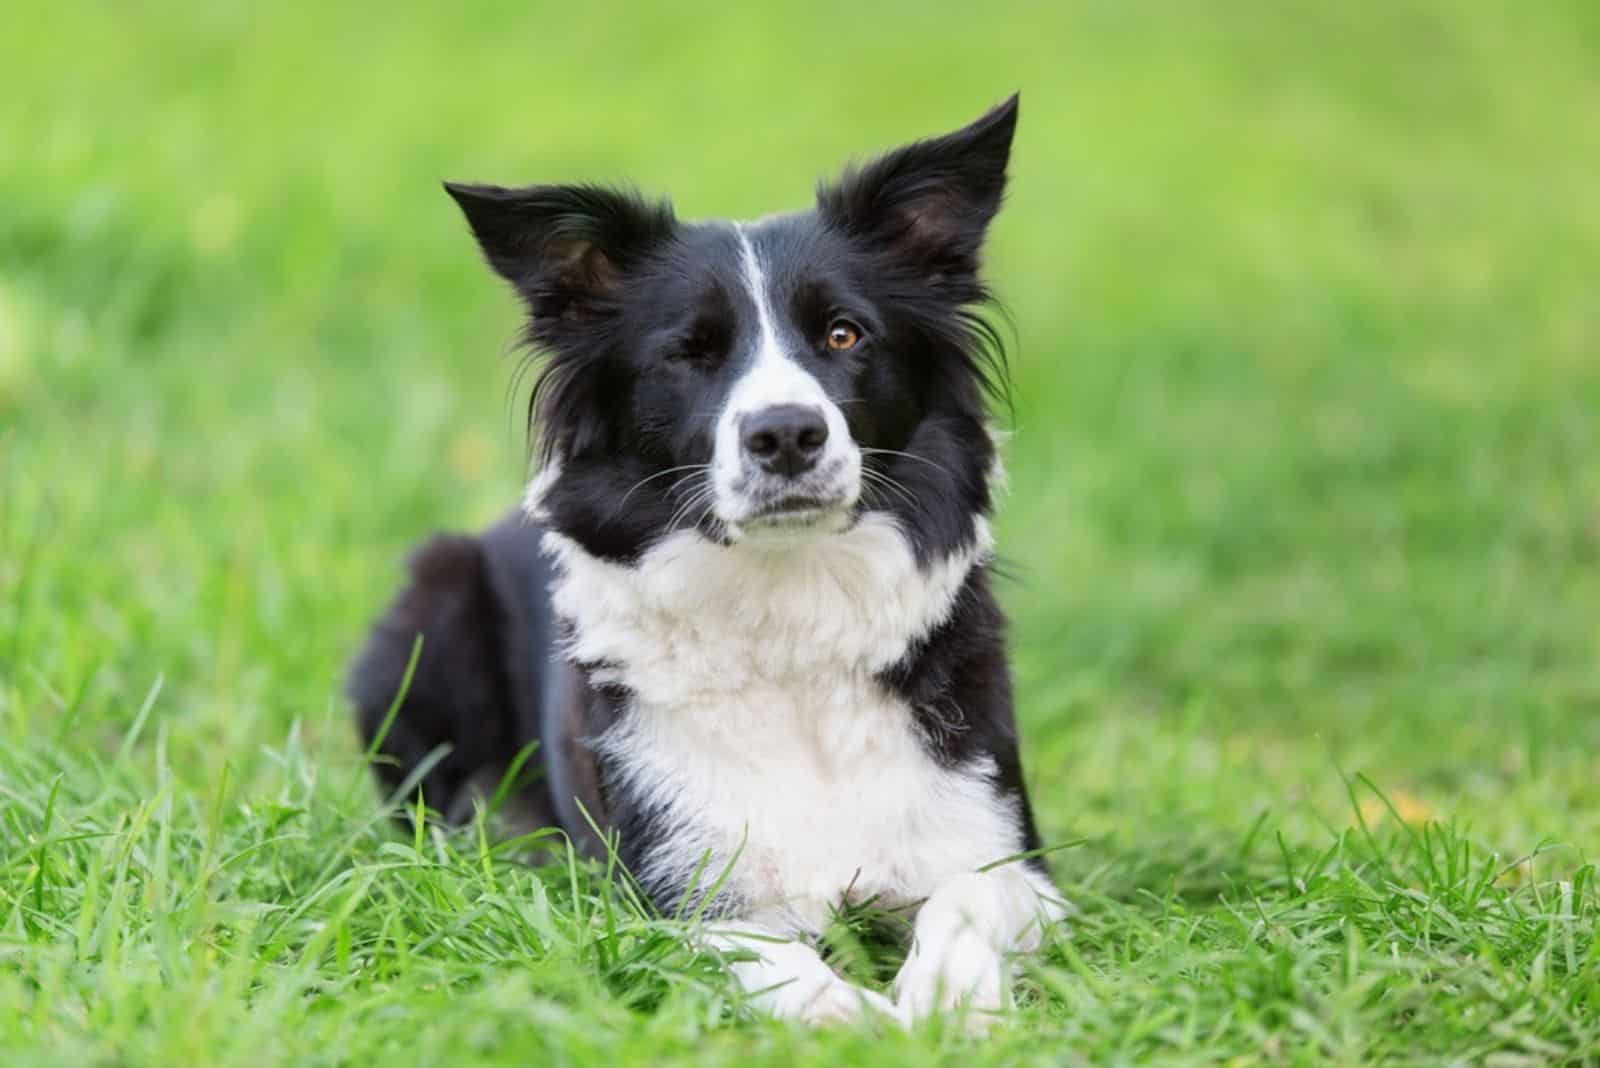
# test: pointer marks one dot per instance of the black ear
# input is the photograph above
(564, 247)
(930, 201)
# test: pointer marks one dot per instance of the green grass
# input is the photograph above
(1305, 514)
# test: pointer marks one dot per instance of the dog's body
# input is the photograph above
(747, 614)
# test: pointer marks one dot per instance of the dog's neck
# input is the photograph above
(719, 617)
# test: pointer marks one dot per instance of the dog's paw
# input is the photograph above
(962, 975)
(840, 1002)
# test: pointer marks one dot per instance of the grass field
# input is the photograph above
(1305, 513)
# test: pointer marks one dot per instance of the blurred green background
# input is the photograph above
(1306, 453)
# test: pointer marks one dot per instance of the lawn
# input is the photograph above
(1304, 521)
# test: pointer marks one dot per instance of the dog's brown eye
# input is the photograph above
(843, 336)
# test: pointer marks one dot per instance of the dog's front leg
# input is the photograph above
(963, 934)
(788, 979)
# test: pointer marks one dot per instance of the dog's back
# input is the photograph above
(480, 607)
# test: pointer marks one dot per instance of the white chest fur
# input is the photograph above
(758, 728)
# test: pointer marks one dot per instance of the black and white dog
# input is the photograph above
(747, 614)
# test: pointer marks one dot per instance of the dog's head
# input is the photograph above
(762, 381)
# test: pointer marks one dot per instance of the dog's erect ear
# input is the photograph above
(930, 201)
(564, 247)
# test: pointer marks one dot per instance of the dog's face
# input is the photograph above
(763, 381)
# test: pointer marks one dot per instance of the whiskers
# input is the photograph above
(693, 469)
(692, 493)
(879, 484)
(693, 496)
(909, 456)
(876, 487)
(698, 502)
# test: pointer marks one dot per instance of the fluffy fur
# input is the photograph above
(747, 615)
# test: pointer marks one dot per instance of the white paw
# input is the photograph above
(962, 974)
(839, 1002)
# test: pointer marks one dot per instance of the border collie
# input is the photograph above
(746, 612)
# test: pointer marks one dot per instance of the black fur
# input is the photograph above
(475, 692)
(958, 682)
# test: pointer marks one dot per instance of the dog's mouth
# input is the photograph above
(819, 503)
(796, 514)
(795, 507)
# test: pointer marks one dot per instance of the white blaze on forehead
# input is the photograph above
(755, 280)
(771, 378)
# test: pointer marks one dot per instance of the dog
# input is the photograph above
(746, 612)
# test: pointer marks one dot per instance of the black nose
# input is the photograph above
(785, 439)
